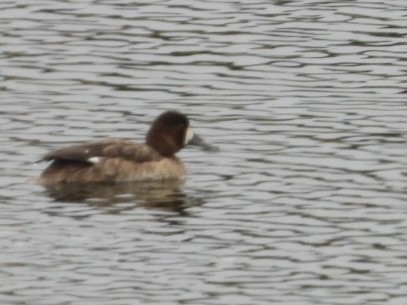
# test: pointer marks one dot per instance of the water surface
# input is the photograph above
(304, 204)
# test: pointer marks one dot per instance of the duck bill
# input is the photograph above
(198, 141)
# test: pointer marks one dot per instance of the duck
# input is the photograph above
(121, 160)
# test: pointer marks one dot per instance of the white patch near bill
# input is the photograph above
(94, 160)
(189, 135)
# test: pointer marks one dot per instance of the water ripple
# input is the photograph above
(304, 203)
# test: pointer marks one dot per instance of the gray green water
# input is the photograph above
(304, 204)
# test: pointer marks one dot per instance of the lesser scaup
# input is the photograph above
(116, 160)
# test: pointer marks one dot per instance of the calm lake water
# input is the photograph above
(305, 203)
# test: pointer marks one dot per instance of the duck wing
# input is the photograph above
(111, 148)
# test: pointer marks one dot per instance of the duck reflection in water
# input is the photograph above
(163, 195)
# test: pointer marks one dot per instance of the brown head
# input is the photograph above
(169, 133)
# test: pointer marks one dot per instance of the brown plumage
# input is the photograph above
(115, 160)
